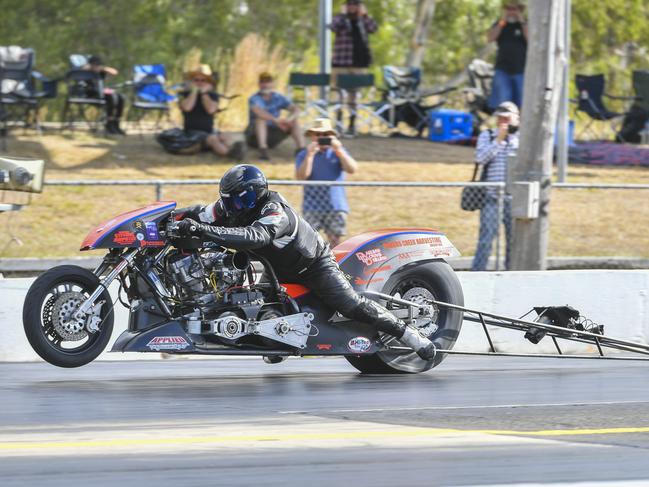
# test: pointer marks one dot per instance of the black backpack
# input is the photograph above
(177, 141)
(633, 123)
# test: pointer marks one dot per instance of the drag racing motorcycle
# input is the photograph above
(189, 296)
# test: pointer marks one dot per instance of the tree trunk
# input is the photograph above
(423, 20)
(542, 89)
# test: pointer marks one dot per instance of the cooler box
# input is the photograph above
(448, 125)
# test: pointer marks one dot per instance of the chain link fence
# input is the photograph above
(605, 222)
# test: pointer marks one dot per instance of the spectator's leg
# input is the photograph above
(110, 113)
(500, 89)
(352, 97)
(216, 145)
(488, 229)
(261, 129)
(119, 105)
(119, 109)
(507, 221)
(335, 226)
(517, 85)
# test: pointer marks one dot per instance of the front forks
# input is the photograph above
(88, 304)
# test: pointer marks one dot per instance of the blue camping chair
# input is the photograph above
(149, 93)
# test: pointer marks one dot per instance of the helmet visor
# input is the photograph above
(237, 202)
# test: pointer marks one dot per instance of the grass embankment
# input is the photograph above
(593, 222)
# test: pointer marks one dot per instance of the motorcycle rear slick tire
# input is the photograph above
(440, 279)
(32, 317)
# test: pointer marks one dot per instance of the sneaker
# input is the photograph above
(263, 154)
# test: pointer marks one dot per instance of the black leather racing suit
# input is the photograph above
(297, 253)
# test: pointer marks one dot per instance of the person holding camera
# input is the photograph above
(493, 150)
(325, 159)
(352, 54)
(510, 33)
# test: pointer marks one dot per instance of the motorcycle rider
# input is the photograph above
(250, 217)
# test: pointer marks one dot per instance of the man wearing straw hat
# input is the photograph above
(199, 105)
(325, 159)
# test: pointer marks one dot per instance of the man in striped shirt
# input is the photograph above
(493, 150)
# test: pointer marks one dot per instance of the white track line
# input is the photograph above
(443, 408)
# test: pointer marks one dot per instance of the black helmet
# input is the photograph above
(243, 187)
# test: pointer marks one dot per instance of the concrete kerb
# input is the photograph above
(619, 299)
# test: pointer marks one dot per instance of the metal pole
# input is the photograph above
(564, 119)
(326, 15)
(499, 218)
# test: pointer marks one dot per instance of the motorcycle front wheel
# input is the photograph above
(48, 317)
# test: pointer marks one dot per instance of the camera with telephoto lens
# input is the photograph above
(324, 141)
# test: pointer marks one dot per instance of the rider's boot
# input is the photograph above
(418, 342)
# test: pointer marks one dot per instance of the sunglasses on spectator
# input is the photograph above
(200, 80)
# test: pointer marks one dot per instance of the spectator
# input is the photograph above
(325, 159)
(352, 54)
(266, 128)
(114, 100)
(492, 152)
(510, 33)
(199, 105)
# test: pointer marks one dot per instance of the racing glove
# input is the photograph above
(188, 227)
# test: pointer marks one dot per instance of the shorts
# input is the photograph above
(332, 222)
(275, 136)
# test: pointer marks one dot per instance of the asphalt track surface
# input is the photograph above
(316, 422)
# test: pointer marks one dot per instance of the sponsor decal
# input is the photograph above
(153, 243)
(324, 346)
(362, 282)
(413, 254)
(124, 238)
(432, 241)
(372, 256)
(152, 231)
(359, 344)
(167, 343)
(383, 268)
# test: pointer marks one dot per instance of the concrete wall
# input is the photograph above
(617, 299)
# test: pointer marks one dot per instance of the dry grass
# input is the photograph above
(593, 222)
(252, 56)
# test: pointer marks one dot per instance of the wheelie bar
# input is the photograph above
(554, 332)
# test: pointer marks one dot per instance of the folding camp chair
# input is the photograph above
(84, 101)
(309, 101)
(591, 90)
(19, 97)
(149, 94)
(404, 100)
(364, 109)
(480, 78)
